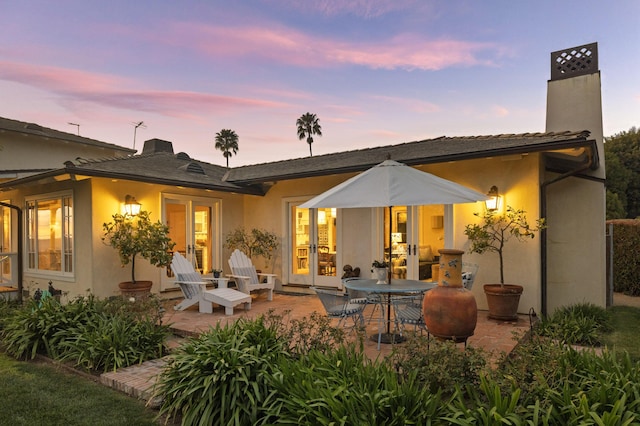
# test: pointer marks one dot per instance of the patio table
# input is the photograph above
(404, 287)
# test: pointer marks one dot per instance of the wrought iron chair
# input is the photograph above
(408, 311)
(338, 305)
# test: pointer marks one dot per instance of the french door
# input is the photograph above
(417, 233)
(6, 250)
(194, 224)
(313, 246)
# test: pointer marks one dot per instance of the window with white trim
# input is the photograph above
(50, 233)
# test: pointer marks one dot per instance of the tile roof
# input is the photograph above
(438, 150)
(162, 168)
(7, 124)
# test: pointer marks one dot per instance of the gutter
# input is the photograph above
(591, 164)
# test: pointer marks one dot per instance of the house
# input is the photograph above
(557, 174)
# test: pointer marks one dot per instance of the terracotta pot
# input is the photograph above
(450, 311)
(503, 301)
(137, 290)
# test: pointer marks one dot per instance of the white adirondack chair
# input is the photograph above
(194, 289)
(246, 276)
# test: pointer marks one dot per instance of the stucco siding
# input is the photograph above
(576, 243)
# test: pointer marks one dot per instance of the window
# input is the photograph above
(50, 233)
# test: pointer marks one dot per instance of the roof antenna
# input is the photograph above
(135, 129)
(77, 125)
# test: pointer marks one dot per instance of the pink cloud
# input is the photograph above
(292, 47)
(76, 87)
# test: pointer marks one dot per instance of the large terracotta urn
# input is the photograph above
(450, 310)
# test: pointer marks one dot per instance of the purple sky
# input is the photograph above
(375, 72)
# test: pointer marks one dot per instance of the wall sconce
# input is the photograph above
(495, 199)
(131, 205)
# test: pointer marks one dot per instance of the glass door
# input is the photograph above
(313, 246)
(192, 224)
(417, 233)
(5, 245)
(425, 239)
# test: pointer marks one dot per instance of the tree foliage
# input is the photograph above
(227, 143)
(622, 156)
(138, 235)
(308, 125)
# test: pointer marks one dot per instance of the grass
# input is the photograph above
(41, 394)
(625, 322)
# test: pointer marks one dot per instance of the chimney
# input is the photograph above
(154, 146)
(574, 101)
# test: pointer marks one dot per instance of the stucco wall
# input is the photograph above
(28, 152)
(576, 243)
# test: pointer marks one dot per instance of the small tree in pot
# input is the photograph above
(138, 235)
(491, 235)
(257, 243)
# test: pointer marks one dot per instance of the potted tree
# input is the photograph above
(257, 243)
(134, 236)
(491, 235)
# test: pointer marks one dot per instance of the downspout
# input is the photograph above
(543, 232)
(20, 266)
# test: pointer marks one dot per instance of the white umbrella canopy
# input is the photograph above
(391, 183)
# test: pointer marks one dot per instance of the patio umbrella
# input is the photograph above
(389, 184)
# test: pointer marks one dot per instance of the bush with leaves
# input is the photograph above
(92, 333)
(579, 324)
(222, 375)
(439, 365)
(345, 387)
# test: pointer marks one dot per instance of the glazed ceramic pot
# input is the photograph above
(450, 311)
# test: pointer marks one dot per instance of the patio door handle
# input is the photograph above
(188, 249)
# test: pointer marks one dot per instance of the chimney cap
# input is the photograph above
(574, 61)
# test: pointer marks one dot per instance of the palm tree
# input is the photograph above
(308, 125)
(227, 142)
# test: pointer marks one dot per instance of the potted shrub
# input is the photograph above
(216, 273)
(491, 235)
(257, 243)
(379, 268)
(134, 236)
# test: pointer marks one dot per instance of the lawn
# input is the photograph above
(626, 325)
(40, 394)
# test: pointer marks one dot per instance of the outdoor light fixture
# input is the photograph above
(131, 205)
(493, 203)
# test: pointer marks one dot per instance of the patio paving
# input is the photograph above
(492, 336)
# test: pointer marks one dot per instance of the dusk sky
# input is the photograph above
(375, 72)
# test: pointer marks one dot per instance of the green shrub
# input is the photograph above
(222, 375)
(108, 342)
(439, 365)
(345, 387)
(626, 257)
(315, 333)
(579, 324)
(93, 333)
